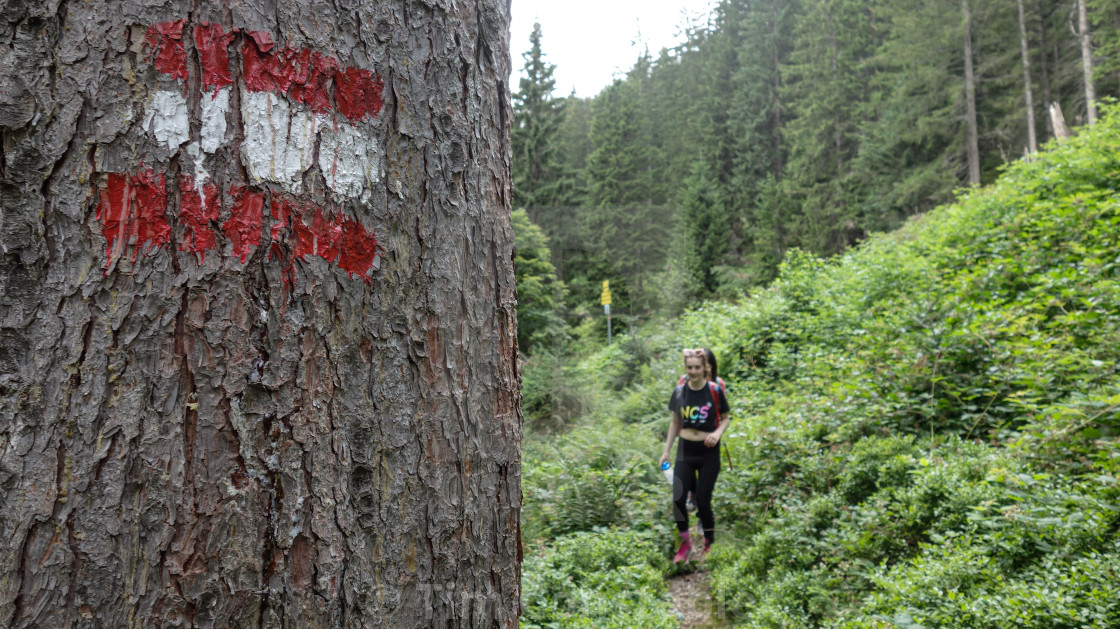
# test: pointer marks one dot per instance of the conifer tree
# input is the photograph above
(973, 138)
(773, 208)
(1028, 91)
(1105, 17)
(758, 113)
(540, 295)
(705, 228)
(831, 87)
(257, 316)
(1085, 36)
(913, 152)
(623, 236)
(537, 114)
(618, 164)
(757, 106)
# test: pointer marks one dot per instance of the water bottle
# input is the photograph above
(667, 470)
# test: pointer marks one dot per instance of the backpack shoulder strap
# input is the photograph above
(713, 388)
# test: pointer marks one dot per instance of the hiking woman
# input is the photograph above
(711, 374)
(700, 417)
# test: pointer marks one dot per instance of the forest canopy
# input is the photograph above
(780, 125)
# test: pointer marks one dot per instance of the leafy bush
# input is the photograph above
(551, 396)
(958, 586)
(597, 579)
(600, 473)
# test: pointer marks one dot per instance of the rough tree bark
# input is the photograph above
(257, 346)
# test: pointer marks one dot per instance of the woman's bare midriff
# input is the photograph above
(692, 434)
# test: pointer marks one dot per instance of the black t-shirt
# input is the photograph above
(696, 408)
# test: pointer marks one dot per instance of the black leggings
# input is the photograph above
(696, 471)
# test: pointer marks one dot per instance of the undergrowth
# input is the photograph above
(925, 429)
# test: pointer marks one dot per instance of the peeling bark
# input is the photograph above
(238, 396)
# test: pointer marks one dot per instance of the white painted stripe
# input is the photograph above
(350, 162)
(167, 119)
(214, 109)
(279, 139)
(201, 176)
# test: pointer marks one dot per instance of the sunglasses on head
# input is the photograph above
(693, 352)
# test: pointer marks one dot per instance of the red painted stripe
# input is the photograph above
(244, 225)
(315, 235)
(357, 93)
(343, 242)
(166, 41)
(133, 213)
(359, 248)
(300, 73)
(212, 43)
(282, 211)
(305, 76)
(196, 213)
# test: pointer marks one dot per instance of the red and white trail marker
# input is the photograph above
(295, 104)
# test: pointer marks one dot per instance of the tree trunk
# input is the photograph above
(1032, 139)
(1083, 35)
(970, 100)
(779, 162)
(1058, 121)
(837, 135)
(1044, 65)
(257, 347)
(1114, 14)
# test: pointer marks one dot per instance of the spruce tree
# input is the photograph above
(914, 152)
(829, 76)
(705, 229)
(618, 165)
(773, 207)
(540, 294)
(622, 235)
(757, 105)
(537, 115)
(759, 113)
(1105, 15)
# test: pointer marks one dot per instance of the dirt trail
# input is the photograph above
(693, 602)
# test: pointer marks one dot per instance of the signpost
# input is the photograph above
(605, 299)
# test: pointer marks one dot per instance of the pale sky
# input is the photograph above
(592, 41)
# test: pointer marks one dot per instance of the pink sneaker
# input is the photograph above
(682, 552)
(707, 547)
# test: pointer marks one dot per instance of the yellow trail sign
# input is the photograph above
(605, 298)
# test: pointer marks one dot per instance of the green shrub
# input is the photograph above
(552, 397)
(874, 463)
(602, 578)
(958, 586)
(600, 473)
